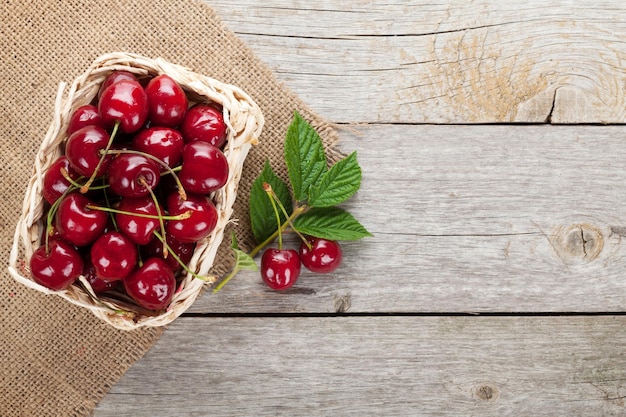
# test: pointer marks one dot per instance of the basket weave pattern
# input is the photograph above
(244, 121)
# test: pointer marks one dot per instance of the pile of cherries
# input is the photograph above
(130, 196)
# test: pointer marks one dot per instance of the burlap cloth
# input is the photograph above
(57, 359)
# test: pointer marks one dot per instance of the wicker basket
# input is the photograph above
(244, 121)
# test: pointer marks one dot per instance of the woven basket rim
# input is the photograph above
(244, 121)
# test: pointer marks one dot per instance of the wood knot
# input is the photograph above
(342, 303)
(486, 392)
(581, 242)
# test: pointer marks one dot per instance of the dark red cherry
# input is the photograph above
(124, 102)
(204, 169)
(324, 255)
(98, 285)
(184, 251)
(280, 268)
(86, 115)
(132, 175)
(54, 183)
(58, 267)
(204, 122)
(138, 229)
(167, 101)
(152, 286)
(76, 222)
(164, 143)
(83, 150)
(114, 256)
(200, 223)
(114, 77)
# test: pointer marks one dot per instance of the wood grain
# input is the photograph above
(520, 223)
(471, 219)
(392, 366)
(443, 61)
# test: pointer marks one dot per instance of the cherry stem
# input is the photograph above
(180, 262)
(181, 216)
(226, 279)
(85, 187)
(298, 211)
(270, 192)
(52, 213)
(175, 169)
(78, 185)
(170, 170)
(111, 215)
(143, 182)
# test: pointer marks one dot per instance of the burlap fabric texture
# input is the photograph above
(58, 359)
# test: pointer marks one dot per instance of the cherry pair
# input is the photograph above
(280, 268)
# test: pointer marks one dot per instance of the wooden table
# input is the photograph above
(493, 147)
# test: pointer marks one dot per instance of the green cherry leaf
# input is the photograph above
(262, 215)
(331, 223)
(243, 261)
(338, 184)
(304, 157)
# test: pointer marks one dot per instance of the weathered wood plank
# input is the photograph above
(471, 219)
(443, 61)
(366, 366)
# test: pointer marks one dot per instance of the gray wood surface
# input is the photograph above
(380, 366)
(494, 284)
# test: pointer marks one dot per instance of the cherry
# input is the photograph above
(132, 175)
(198, 225)
(113, 256)
(58, 267)
(125, 102)
(204, 169)
(54, 183)
(86, 115)
(139, 229)
(83, 150)
(323, 256)
(184, 251)
(76, 222)
(204, 122)
(280, 268)
(114, 77)
(167, 101)
(164, 143)
(98, 285)
(152, 286)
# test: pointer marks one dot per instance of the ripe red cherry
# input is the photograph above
(125, 102)
(139, 229)
(83, 150)
(167, 101)
(54, 183)
(98, 285)
(114, 77)
(153, 285)
(204, 169)
(86, 115)
(76, 222)
(184, 251)
(57, 268)
(114, 256)
(201, 222)
(204, 122)
(164, 143)
(132, 175)
(280, 268)
(323, 256)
